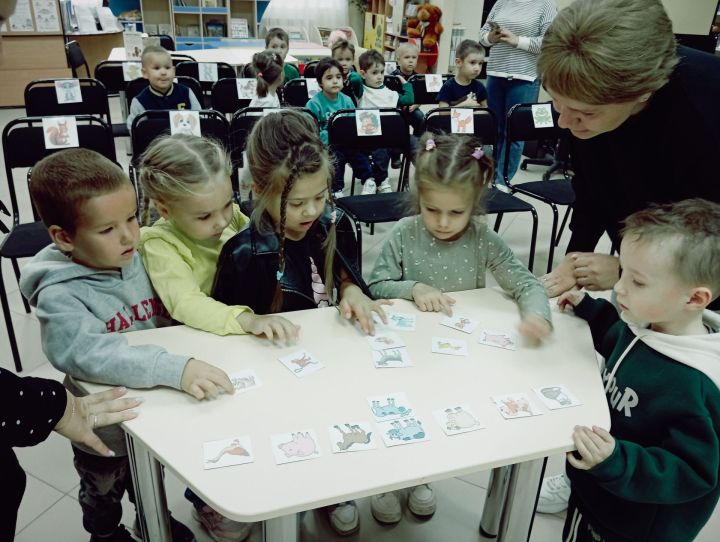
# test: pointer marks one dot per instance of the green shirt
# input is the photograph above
(290, 72)
(411, 254)
(322, 108)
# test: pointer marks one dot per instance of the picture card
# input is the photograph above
(401, 321)
(185, 122)
(407, 431)
(390, 67)
(384, 340)
(367, 122)
(313, 87)
(498, 339)
(245, 88)
(131, 70)
(391, 406)
(433, 82)
(133, 45)
(207, 71)
(352, 437)
(301, 363)
(227, 452)
(244, 380)
(542, 116)
(456, 419)
(451, 347)
(68, 91)
(515, 405)
(461, 121)
(60, 132)
(556, 396)
(293, 447)
(461, 323)
(391, 358)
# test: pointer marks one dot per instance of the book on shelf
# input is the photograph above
(239, 28)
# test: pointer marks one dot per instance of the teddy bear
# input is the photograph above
(426, 25)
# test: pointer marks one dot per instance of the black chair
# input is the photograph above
(224, 96)
(309, 71)
(496, 202)
(110, 74)
(520, 126)
(41, 99)
(166, 42)
(177, 58)
(23, 146)
(393, 82)
(422, 96)
(76, 58)
(192, 69)
(295, 92)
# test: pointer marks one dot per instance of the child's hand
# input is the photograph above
(562, 278)
(534, 327)
(413, 107)
(429, 299)
(469, 102)
(594, 446)
(204, 381)
(402, 79)
(355, 302)
(275, 328)
(570, 298)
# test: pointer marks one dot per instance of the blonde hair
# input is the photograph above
(693, 227)
(281, 148)
(406, 47)
(173, 167)
(451, 161)
(267, 68)
(154, 50)
(608, 51)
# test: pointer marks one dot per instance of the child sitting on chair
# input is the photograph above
(278, 40)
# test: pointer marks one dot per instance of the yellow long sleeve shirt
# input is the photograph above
(182, 272)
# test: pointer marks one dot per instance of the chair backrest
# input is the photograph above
(523, 124)
(41, 99)
(309, 71)
(23, 143)
(439, 120)
(166, 41)
(192, 69)
(76, 58)
(422, 96)
(393, 83)
(342, 131)
(135, 87)
(177, 58)
(110, 74)
(295, 92)
(224, 96)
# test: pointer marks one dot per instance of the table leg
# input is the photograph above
(522, 495)
(149, 487)
(282, 529)
(494, 501)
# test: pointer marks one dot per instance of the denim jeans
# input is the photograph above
(502, 95)
(358, 162)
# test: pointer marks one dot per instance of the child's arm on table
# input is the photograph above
(600, 315)
(353, 302)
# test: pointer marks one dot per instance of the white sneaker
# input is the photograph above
(386, 508)
(422, 501)
(220, 528)
(369, 187)
(554, 494)
(384, 187)
(344, 518)
(337, 195)
(503, 187)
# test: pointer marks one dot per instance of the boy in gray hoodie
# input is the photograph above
(88, 287)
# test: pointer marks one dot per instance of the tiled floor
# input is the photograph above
(50, 510)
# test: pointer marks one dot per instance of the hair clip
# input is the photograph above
(279, 275)
(259, 74)
(430, 144)
(477, 153)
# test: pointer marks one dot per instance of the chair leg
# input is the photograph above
(498, 219)
(533, 239)
(9, 324)
(562, 226)
(17, 277)
(553, 233)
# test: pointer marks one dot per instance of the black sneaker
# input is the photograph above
(121, 534)
(179, 531)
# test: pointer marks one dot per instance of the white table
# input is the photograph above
(235, 56)
(173, 426)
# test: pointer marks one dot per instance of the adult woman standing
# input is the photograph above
(514, 30)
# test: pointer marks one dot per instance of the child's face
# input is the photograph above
(305, 204)
(331, 82)
(158, 69)
(107, 231)
(374, 75)
(280, 46)
(648, 290)
(407, 61)
(202, 216)
(345, 58)
(470, 66)
(446, 212)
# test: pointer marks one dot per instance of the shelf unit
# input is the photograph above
(128, 12)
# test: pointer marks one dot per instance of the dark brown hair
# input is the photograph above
(324, 65)
(276, 33)
(267, 68)
(341, 44)
(369, 58)
(468, 47)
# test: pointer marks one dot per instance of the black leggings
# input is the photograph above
(13, 488)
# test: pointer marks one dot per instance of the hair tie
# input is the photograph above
(477, 153)
(333, 216)
(430, 144)
(279, 275)
(259, 74)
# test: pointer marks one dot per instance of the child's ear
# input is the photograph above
(458, 62)
(144, 72)
(61, 238)
(163, 209)
(700, 298)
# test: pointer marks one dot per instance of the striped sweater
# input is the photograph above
(528, 19)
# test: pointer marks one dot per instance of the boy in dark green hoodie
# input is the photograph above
(654, 477)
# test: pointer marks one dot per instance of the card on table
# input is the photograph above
(227, 452)
(385, 340)
(498, 339)
(244, 380)
(391, 358)
(515, 405)
(292, 447)
(557, 396)
(452, 347)
(461, 323)
(301, 363)
(456, 419)
(408, 431)
(400, 321)
(352, 437)
(391, 406)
